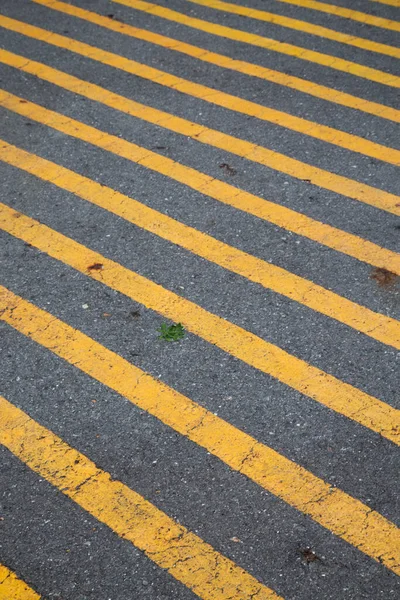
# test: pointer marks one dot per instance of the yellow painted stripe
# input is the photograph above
(296, 83)
(395, 3)
(237, 35)
(300, 125)
(244, 345)
(274, 160)
(196, 564)
(347, 13)
(298, 223)
(303, 26)
(329, 506)
(377, 326)
(11, 587)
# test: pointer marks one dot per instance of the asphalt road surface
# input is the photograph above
(199, 300)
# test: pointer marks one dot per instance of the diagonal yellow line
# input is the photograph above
(233, 339)
(377, 326)
(348, 13)
(245, 37)
(274, 160)
(280, 78)
(329, 506)
(281, 216)
(11, 587)
(395, 3)
(193, 562)
(324, 133)
(296, 24)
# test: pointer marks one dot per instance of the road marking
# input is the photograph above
(189, 559)
(303, 26)
(347, 13)
(229, 337)
(301, 290)
(341, 185)
(329, 506)
(395, 3)
(323, 133)
(302, 85)
(378, 326)
(11, 587)
(281, 216)
(238, 35)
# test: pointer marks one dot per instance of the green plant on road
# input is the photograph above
(171, 333)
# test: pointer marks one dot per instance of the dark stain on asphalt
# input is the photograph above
(309, 556)
(383, 277)
(111, 16)
(228, 168)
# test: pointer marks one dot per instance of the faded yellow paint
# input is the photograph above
(300, 125)
(329, 506)
(378, 326)
(301, 85)
(244, 345)
(326, 60)
(189, 559)
(264, 156)
(296, 24)
(348, 13)
(11, 587)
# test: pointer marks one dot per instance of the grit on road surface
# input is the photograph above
(231, 167)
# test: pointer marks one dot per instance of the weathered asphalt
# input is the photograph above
(49, 541)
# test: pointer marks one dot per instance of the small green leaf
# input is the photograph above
(171, 333)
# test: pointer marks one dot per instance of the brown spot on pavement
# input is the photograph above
(383, 277)
(96, 267)
(309, 556)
